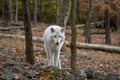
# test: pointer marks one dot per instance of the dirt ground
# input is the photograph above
(100, 61)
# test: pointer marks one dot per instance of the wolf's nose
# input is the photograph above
(57, 43)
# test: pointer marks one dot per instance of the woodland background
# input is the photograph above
(47, 10)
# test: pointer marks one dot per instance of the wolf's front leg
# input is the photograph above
(57, 57)
(52, 59)
(49, 60)
(48, 54)
(59, 64)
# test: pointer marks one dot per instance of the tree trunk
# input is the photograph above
(88, 21)
(16, 16)
(57, 8)
(11, 14)
(41, 11)
(96, 16)
(116, 18)
(35, 12)
(6, 12)
(3, 7)
(64, 13)
(107, 26)
(78, 11)
(28, 33)
(74, 35)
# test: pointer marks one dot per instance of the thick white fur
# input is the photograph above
(54, 38)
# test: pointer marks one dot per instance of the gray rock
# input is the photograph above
(62, 73)
(3, 58)
(100, 76)
(112, 76)
(43, 63)
(58, 73)
(10, 62)
(30, 73)
(8, 75)
(23, 78)
(17, 69)
(68, 76)
(79, 74)
(80, 78)
(90, 74)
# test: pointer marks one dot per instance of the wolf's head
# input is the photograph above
(57, 35)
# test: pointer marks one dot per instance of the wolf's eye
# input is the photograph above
(59, 36)
(55, 36)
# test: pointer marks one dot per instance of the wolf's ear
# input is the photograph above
(52, 30)
(62, 30)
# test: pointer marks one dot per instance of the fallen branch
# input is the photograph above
(92, 24)
(9, 28)
(79, 44)
(100, 31)
(98, 47)
(20, 36)
(13, 23)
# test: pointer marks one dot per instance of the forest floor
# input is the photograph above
(100, 61)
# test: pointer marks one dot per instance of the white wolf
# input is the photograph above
(54, 38)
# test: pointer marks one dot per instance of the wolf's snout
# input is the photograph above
(57, 43)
